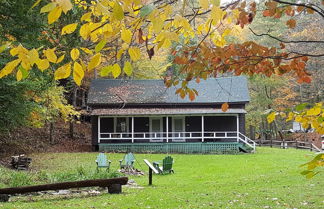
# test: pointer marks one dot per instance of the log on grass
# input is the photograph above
(65, 185)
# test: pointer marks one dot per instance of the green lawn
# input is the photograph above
(268, 179)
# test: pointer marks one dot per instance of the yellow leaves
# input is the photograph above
(50, 55)
(63, 72)
(36, 3)
(19, 75)
(86, 17)
(215, 2)
(55, 9)
(225, 107)
(128, 69)
(33, 56)
(116, 70)
(204, 4)
(290, 116)
(60, 59)
(54, 15)
(94, 62)
(126, 35)
(78, 73)
(134, 53)
(271, 117)
(42, 64)
(118, 12)
(69, 28)
(86, 50)
(75, 53)
(217, 14)
(85, 31)
(65, 5)
(157, 24)
(9, 67)
(48, 7)
(313, 111)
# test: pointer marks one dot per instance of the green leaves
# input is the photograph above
(312, 165)
(100, 45)
(106, 70)
(146, 10)
(301, 107)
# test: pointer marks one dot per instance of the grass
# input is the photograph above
(268, 179)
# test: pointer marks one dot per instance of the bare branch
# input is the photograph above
(321, 13)
(284, 41)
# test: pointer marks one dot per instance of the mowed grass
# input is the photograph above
(269, 178)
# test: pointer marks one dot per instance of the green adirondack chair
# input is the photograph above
(166, 167)
(102, 162)
(127, 162)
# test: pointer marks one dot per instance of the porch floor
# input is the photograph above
(187, 148)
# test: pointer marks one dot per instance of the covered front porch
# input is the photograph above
(168, 129)
(189, 133)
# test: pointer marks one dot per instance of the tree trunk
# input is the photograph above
(65, 185)
(73, 102)
(51, 134)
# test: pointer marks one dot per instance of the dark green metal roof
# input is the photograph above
(212, 90)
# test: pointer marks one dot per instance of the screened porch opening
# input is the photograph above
(168, 129)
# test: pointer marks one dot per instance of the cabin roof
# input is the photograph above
(163, 111)
(212, 90)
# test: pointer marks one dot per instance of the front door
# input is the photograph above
(178, 129)
(121, 127)
(156, 129)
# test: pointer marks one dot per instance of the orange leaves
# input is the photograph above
(291, 23)
(225, 107)
(180, 60)
(184, 90)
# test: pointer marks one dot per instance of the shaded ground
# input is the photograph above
(33, 140)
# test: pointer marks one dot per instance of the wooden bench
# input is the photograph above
(114, 187)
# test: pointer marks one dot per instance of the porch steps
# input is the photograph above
(244, 148)
(186, 148)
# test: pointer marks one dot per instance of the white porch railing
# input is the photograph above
(246, 140)
(177, 136)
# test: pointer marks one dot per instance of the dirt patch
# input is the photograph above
(33, 140)
(314, 138)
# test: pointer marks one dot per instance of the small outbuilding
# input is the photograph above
(146, 116)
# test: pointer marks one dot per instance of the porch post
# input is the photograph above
(98, 129)
(132, 129)
(167, 129)
(202, 128)
(237, 127)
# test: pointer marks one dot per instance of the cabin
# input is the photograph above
(146, 116)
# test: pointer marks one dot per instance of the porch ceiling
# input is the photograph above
(164, 111)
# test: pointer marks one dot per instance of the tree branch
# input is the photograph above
(303, 5)
(283, 41)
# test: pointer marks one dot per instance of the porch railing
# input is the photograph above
(177, 136)
(169, 135)
(246, 140)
